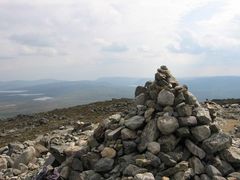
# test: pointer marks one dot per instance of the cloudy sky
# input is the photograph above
(87, 39)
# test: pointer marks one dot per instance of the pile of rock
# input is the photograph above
(169, 135)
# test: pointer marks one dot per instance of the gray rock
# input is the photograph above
(74, 175)
(196, 165)
(218, 178)
(182, 166)
(168, 143)
(217, 142)
(232, 155)
(115, 134)
(205, 177)
(132, 170)
(184, 110)
(104, 165)
(153, 147)
(235, 175)
(140, 99)
(89, 160)
(167, 124)
(25, 157)
(167, 159)
(187, 121)
(224, 167)
(144, 176)
(212, 171)
(201, 132)
(77, 165)
(203, 116)
(148, 113)
(129, 147)
(139, 90)
(150, 133)
(90, 175)
(127, 134)
(183, 132)
(3, 163)
(65, 171)
(166, 98)
(194, 149)
(135, 122)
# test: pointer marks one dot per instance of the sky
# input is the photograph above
(88, 39)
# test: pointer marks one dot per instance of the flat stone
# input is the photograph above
(217, 142)
(104, 165)
(127, 134)
(203, 116)
(150, 133)
(187, 121)
(194, 149)
(167, 159)
(184, 110)
(144, 176)
(25, 157)
(115, 134)
(196, 165)
(167, 124)
(212, 171)
(140, 99)
(166, 98)
(201, 132)
(232, 155)
(132, 170)
(135, 122)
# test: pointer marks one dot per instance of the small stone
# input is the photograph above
(194, 149)
(232, 155)
(167, 159)
(3, 163)
(212, 171)
(168, 143)
(150, 133)
(183, 132)
(127, 134)
(187, 121)
(201, 132)
(77, 165)
(167, 124)
(113, 135)
(184, 110)
(144, 176)
(135, 122)
(217, 142)
(153, 147)
(129, 147)
(148, 113)
(25, 157)
(143, 162)
(108, 153)
(132, 170)
(104, 165)
(203, 116)
(196, 165)
(140, 99)
(166, 98)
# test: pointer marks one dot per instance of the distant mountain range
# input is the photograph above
(43, 95)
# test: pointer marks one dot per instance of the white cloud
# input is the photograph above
(82, 39)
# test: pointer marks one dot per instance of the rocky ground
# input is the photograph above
(168, 134)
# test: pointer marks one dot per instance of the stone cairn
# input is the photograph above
(169, 135)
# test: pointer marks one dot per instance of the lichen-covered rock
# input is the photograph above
(166, 98)
(135, 122)
(167, 124)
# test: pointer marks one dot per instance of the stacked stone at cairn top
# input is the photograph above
(167, 136)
